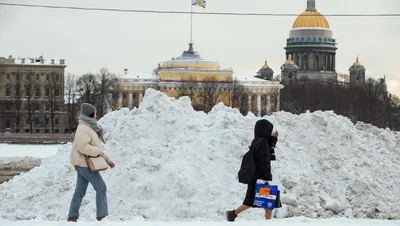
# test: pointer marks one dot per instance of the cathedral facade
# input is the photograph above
(205, 82)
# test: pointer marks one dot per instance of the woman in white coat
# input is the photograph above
(87, 142)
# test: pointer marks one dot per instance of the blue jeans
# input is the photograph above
(84, 178)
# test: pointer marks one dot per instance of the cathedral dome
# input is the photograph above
(357, 66)
(266, 66)
(190, 60)
(311, 19)
(357, 63)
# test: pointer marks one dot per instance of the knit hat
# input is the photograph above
(87, 109)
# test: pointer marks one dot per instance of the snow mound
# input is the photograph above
(174, 163)
(18, 163)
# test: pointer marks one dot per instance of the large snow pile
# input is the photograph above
(174, 163)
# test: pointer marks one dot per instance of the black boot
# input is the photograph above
(231, 215)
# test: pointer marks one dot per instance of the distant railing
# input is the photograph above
(35, 138)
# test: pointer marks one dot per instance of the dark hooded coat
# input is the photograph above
(260, 143)
(262, 156)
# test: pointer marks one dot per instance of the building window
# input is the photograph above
(37, 121)
(56, 131)
(57, 91)
(27, 91)
(37, 77)
(8, 91)
(17, 90)
(37, 130)
(37, 92)
(47, 92)
(27, 121)
(27, 131)
(47, 107)
(56, 121)
(17, 77)
(8, 123)
(8, 76)
(47, 121)
(56, 107)
(47, 77)
(46, 131)
(57, 77)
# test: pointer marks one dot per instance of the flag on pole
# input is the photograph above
(200, 3)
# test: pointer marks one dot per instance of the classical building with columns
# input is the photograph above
(205, 82)
(311, 47)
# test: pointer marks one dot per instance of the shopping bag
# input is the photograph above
(265, 195)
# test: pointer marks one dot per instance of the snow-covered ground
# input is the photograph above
(298, 221)
(30, 150)
(177, 165)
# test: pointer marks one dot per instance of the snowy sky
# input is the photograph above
(89, 40)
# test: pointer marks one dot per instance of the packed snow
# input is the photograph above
(29, 150)
(176, 164)
(296, 221)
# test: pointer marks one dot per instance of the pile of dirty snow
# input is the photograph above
(173, 163)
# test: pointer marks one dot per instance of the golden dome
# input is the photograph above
(311, 19)
(289, 60)
(265, 66)
(357, 63)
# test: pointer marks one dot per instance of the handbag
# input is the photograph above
(96, 164)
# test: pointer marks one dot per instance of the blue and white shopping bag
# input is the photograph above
(265, 195)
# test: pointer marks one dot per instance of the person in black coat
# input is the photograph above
(263, 146)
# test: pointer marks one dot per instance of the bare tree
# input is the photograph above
(344, 78)
(188, 87)
(368, 103)
(209, 93)
(87, 87)
(115, 93)
(16, 83)
(238, 91)
(107, 81)
(70, 94)
(395, 109)
(55, 98)
(32, 105)
(3, 85)
(274, 99)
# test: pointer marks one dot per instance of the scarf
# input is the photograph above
(93, 124)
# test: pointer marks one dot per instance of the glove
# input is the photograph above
(110, 163)
(272, 142)
(274, 139)
(107, 158)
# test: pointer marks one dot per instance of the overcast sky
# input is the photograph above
(89, 40)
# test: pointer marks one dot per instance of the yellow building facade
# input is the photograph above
(205, 82)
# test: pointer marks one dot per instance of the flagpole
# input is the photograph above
(191, 22)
